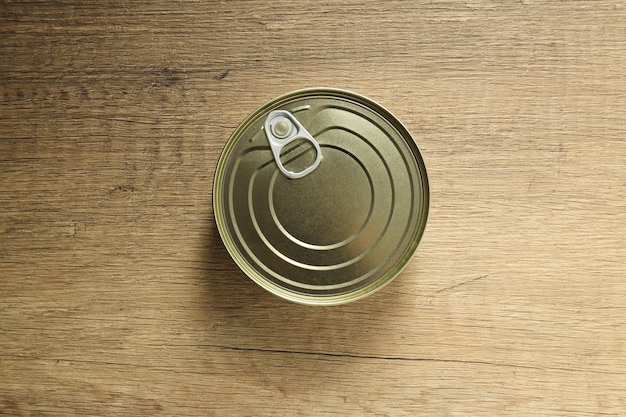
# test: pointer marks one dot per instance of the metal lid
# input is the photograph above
(321, 196)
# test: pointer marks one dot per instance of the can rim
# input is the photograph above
(302, 298)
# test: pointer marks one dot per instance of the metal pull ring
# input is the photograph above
(282, 128)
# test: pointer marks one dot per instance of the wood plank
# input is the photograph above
(118, 297)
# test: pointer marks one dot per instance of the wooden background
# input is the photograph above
(117, 296)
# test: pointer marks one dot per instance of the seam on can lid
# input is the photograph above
(400, 264)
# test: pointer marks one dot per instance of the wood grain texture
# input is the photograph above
(117, 296)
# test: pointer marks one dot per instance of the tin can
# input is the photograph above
(321, 196)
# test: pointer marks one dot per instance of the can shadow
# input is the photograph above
(241, 315)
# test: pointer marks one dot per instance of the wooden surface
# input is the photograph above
(117, 296)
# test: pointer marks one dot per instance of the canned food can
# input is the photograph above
(321, 196)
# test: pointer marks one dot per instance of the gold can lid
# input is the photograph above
(321, 196)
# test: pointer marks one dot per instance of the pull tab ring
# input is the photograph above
(281, 128)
